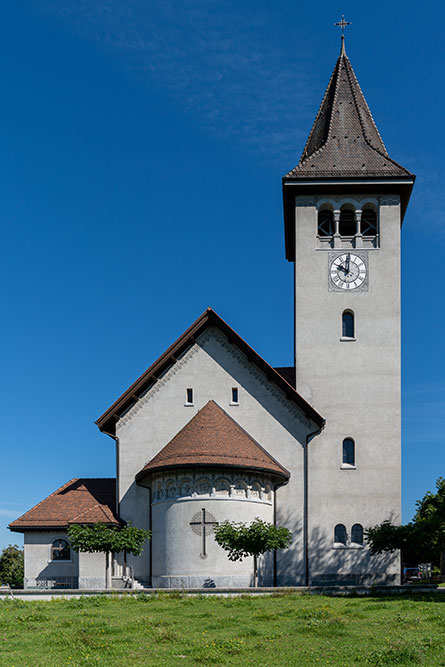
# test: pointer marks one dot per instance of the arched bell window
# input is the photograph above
(60, 550)
(347, 324)
(347, 225)
(368, 223)
(340, 535)
(357, 534)
(326, 226)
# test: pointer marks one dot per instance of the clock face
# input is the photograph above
(347, 271)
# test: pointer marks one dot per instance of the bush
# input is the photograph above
(12, 566)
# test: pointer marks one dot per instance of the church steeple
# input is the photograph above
(344, 140)
(344, 151)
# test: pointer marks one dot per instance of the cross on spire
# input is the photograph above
(342, 24)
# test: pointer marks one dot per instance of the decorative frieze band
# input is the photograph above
(169, 485)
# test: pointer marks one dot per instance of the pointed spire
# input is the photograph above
(344, 140)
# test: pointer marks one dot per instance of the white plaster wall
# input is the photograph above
(177, 560)
(212, 367)
(89, 569)
(92, 570)
(38, 563)
(356, 387)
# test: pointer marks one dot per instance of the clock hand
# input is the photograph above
(348, 259)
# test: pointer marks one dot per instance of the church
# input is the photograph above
(211, 432)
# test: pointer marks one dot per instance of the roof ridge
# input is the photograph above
(74, 479)
(349, 72)
(314, 124)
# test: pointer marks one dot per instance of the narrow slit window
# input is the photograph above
(189, 396)
(234, 394)
(348, 324)
(348, 452)
(340, 535)
(357, 534)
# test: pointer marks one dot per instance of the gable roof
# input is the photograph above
(83, 501)
(213, 438)
(107, 422)
(344, 140)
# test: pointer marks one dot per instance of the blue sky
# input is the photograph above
(142, 149)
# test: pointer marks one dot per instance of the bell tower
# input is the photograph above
(344, 205)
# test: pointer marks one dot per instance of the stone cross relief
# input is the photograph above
(202, 524)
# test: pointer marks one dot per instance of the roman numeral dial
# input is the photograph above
(347, 271)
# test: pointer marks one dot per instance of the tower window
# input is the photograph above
(326, 225)
(348, 452)
(347, 226)
(189, 396)
(340, 535)
(368, 224)
(357, 534)
(235, 395)
(347, 324)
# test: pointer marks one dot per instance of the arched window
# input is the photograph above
(326, 225)
(347, 324)
(368, 224)
(348, 452)
(347, 226)
(60, 550)
(340, 534)
(357, 534)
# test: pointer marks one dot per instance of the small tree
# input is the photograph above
(242, 540)
(12, 566)
(421, 540)
(100, 538)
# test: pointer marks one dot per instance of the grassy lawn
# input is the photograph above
(170, 630)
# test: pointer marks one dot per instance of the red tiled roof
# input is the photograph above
(107, 422)
(213, 438)
(77, 501)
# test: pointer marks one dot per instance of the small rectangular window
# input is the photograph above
(189, 398)
(234, 394)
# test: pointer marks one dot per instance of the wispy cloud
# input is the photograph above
(214, 62)
(13, 514)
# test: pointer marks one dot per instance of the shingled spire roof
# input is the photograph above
(344, 140)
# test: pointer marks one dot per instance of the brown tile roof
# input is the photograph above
(107, 422)
(77, 501)
(213, 438)
(344, 140)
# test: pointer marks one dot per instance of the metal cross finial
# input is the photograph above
(342, 24)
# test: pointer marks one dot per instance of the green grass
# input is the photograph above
(173, 630)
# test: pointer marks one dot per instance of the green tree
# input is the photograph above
(421, 540)
(100, 538)
(12, 566)
(241, 540)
